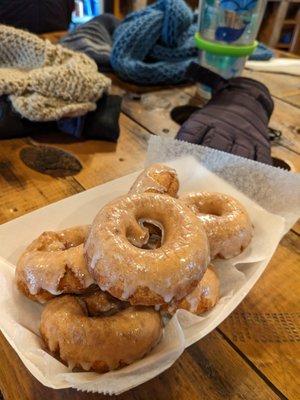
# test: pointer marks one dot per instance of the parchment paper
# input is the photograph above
(19, 317)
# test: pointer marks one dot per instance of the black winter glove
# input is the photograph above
(235, 120)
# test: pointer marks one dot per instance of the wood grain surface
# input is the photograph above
(265, 327)
(210, 369)
(282, 86)
(254, 354)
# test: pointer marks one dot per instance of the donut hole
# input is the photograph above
(146, 234)
(152, 235)
(208, 210)
(155, 235)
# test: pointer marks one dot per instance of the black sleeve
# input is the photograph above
(37, 16)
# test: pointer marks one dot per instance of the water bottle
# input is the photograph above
(226, 33)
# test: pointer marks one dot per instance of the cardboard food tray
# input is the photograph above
(19, 319)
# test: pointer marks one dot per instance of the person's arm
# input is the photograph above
(37, 16)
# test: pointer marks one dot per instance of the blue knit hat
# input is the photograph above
(154, 46)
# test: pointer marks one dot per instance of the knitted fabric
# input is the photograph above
(261, 53)
(94, 38)
(44, 81)
(156, 44)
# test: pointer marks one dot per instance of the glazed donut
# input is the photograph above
(158, 178)
(204, 297)
(225, 221)
(120, 265)
(99, 343)
(54, 263)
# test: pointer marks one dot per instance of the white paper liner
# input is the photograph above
(275, 189)
(19, 317)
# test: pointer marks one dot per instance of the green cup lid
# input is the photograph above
(224, 49)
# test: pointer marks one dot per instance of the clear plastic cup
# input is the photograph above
(227, 32)
(230, 22)
(226, 66)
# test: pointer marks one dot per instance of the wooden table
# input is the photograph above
(254, 354)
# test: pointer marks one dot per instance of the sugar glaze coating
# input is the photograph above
(54, 263)
(120, 265)
(100, 343)
(157, 178)
(225, 221)
(203, 298)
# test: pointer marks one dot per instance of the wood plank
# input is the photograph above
(289, 157)
(284, 46)
(296, 228)
(284, 54)
(286, 118)
(129, 156)
(278, 23)
(265, 327)
(293, 99)
(278, 84)
(24, 190)
(295, 44)
(104, 161)
(130, 87)
(210, 369)
(152, 110)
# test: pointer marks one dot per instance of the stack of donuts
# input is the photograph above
(146, 254)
